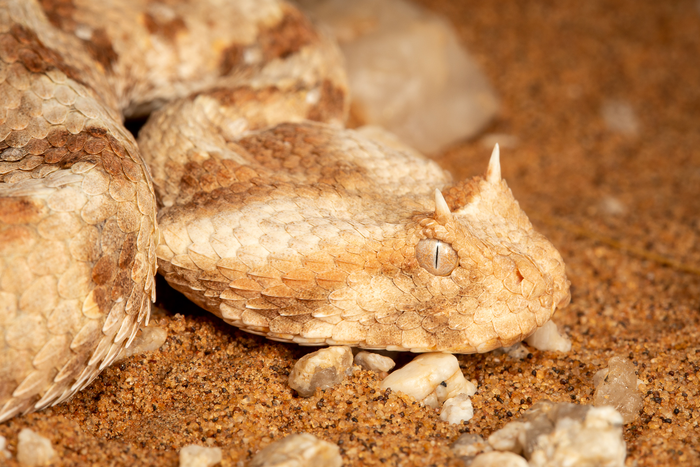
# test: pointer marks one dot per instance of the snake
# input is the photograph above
(244, 190)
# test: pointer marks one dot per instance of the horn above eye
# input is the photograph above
(436, 257)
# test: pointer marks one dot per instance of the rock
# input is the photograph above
(374, 362)
(516, 351)
(299, 450)
(407, 71)
(498, 459)
(457, 409)
(612, 206)
(4, 453)
(616, 386)
(468, 446)
(199, 456)
(430, 378)
(147, 339)
(548, 338)
(552, 435)
(321, 369)
(619, 116)
(508, 438)
(597, 441)
(34, 449)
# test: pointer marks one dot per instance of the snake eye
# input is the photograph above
(436, 257)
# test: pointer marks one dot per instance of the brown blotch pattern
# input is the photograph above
(460, 194)
(231, 58)
(167, 29)
(60, 14)
(330, 105)
(242, 95)
(24, 46)
(288, 36)
(21, 210)
(57, 210)
(101, 50)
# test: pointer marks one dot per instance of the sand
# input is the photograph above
(621, 202)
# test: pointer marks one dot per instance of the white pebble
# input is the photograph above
(516, 351)
(407, 71)
(149, 338)
(548, 338)
(431, 379)
(620, 117)
(374, 362)
(498, 459)
(612, 206)
(596, 441)
(4, 453)
(469, 445)
(34, 449)
(321, 369)
(616, 386)
(457, 410)
(562, 434)
(199, 456)
(299, 450)
(508, 438)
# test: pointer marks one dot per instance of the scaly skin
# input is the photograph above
(297, 230)
(308, 234)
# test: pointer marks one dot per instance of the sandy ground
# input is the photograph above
(623, 207)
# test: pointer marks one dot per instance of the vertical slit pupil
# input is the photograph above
(437, 254)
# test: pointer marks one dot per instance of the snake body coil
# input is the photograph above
(269, 214)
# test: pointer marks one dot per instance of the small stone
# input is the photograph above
(431, 379)
(374, 362)
(619, 116)
(199, 456)
(34, 449)
(508, 437)
(616, 386)
(541, 420)
(149, 338)
(457, 409)
(548, 337)
(468, 446)
(597, 441)
(407, 71)
(299, 450)
(4, 453)
(321, 369)
(516, 351)
(612, 206)
(498, 459)
(552, 435)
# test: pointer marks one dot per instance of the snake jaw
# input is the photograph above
(510, 279)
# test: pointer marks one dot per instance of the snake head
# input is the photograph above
(494, 280)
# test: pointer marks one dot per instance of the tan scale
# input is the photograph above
(271, 215)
